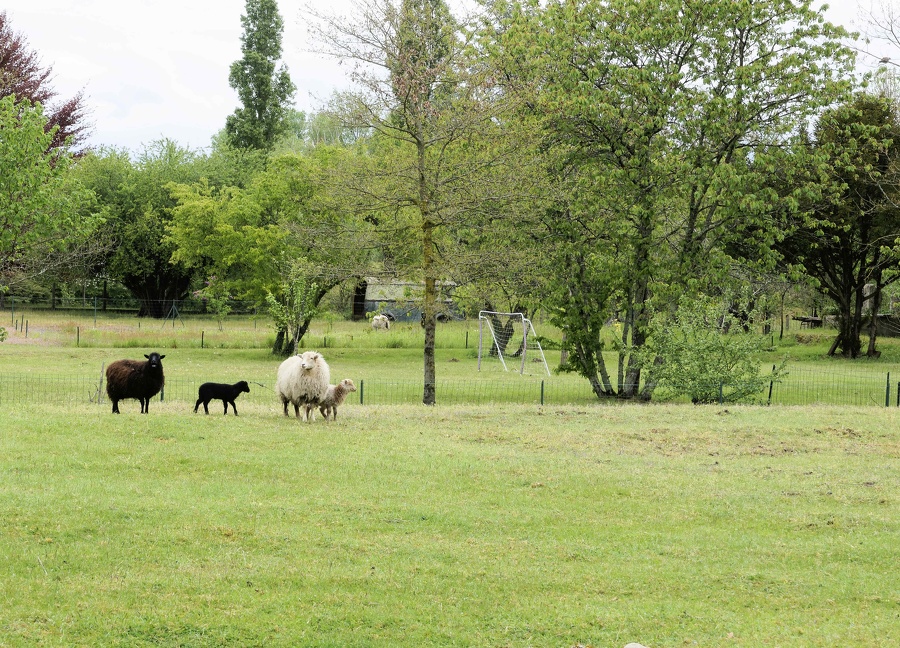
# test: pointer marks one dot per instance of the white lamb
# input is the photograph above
(381, 322)
(303, 380)
(334, 397)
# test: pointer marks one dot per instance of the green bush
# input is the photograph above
(704, 354)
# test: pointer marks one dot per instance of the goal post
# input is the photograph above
(513, 339)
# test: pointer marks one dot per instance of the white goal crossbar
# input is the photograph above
(486, 319)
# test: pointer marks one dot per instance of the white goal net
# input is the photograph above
(510, 338)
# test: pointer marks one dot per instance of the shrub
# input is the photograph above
(704, 354)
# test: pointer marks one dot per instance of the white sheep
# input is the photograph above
(303, 380)
(381, 322)
(334, 397)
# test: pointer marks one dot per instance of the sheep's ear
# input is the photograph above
(161, 357)
(146, 356)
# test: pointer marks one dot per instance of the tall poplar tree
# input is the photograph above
(266, 93)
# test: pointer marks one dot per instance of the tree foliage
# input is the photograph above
(43, 209)
(702, 352)
(264, 91)
(661, 121)
(22, 75)
(137, 202)
(848, 242)
(262, 242)
(436, 133)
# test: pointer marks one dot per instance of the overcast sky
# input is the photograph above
(160, 69)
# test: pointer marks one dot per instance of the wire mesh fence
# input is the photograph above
(798, 387)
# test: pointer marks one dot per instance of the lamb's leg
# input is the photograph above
(233, 406)
(197, 405)
(115, 403)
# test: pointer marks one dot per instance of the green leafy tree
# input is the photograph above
(849, 241)
(266, 93)
(661, 122)
(264, 241)
(44, 210)
(137, 203)
(434, 135)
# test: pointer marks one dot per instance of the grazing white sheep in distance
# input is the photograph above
(303, 380)
(381, 322)
(334, 397)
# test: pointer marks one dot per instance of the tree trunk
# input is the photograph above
(358, 311)
(872, 352)
(430, 321)
(849, 326)
(640, 316)
(279, 342)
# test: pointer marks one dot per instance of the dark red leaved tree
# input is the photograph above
(22, 74)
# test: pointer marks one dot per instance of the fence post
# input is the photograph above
(362, 389)
(77, 336)
(202, 334)
(721, 395)
(542, 392)
(771, 382)
(887, 391)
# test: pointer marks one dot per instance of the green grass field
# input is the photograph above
(464, 524)
(450, 526)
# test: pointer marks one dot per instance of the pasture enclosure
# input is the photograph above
(51, 357)
(450, 526)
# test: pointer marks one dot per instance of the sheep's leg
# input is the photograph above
(233, 406)
(310, 413)
(115, 403)
(206, 406)
(296, 410)
(197, 405)
(334, 413)
(145, 405)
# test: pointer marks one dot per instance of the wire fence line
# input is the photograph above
(799, 387)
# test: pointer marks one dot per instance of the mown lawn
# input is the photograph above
(450, 526)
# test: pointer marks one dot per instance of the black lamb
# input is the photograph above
(135, 379)
(225, 393)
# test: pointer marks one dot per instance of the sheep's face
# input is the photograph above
(309, 360)
(348, 385)
(243, 386)
(154, 360)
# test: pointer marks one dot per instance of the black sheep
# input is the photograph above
(225, 393)
(135, 379)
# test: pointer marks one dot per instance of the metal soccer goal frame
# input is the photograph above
(484, 318)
